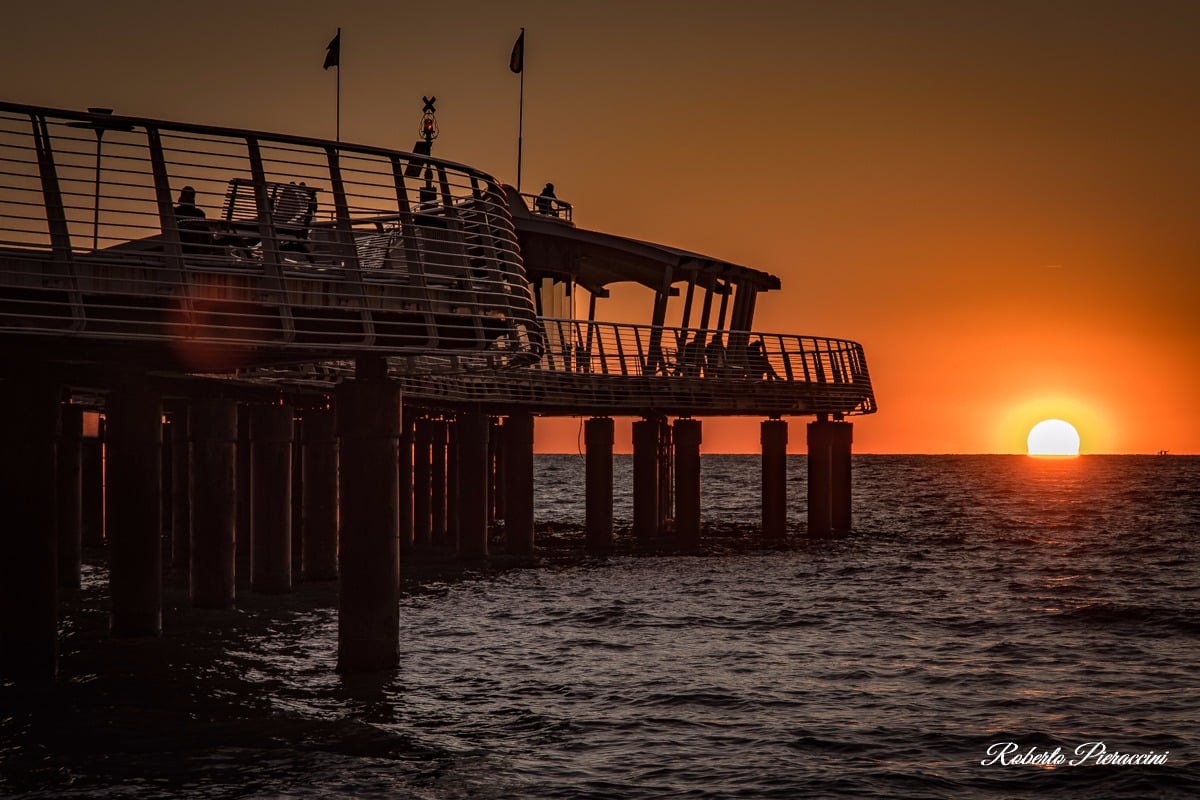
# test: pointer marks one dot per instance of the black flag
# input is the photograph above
(333, 52)
(517, 61)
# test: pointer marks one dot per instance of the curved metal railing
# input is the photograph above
(599, 368)
(549, 207)
(294, 249)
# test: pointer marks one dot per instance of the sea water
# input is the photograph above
(989, 624)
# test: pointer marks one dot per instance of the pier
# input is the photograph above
(259, 359)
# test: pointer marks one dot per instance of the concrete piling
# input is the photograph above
(245, 496)
(271, 481)
(69, 496)
(437, 483)
(181, 509)
(212, 425)
(687, 436)
(518, 484)
(422, 451)
(298, 532)
(598, 499)
(368, 429)
(820, 478)
(29, 418)
(134, 516)
(773, 436)
(405, 483)
(496, 509)
(645, 480)
(92, 478)
(319, 496)
(841, 477)
(472, 440)
(453, 434)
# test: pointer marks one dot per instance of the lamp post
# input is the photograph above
(99, 127)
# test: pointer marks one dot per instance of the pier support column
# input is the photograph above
(518, 484)
(28, 540)
(666, 474)
(773, 435)
(298, 532)
(69, 494)
(453, 452)
(472, 441)
(437, 483)
(820, 477)
(368, 428)
(645, 479)
(495, 471)
(134, 523)
(405, 483)
(212, 425)
(319, 496)
(92, 491)
(840, 476)
(181, 509)
(271, 479)
(687, 482)
(422, 451)
(598, 439)
(245, 496)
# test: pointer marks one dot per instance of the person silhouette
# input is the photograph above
(714, 357)
(760, 365)
(546, 202)
(294, 210)
(692, 358)
(194, 233)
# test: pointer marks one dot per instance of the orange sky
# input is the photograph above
(999, 200)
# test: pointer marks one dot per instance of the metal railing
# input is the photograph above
(548, 207)
(613, 368)
(598, 368)
(288, 248)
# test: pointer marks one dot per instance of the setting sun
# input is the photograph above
(1053, 437)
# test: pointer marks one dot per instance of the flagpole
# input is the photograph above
(338, 113)
(521, 113)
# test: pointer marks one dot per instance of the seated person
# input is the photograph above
(760, 366)
(194, 233)
(294, 210)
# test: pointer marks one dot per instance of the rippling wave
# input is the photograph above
(980, 600)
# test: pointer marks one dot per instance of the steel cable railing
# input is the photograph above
(621, 369)
(293, 248)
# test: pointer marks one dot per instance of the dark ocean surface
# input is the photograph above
(980, 600)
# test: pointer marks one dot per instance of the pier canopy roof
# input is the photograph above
(552, 246)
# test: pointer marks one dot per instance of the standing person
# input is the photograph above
(546, 202)
(692, 358)
(194, 234)
(714, 357)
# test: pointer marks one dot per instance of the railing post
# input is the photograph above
(56, 218)
(345, 237)
(412, 251)
(173, 250)
(272, 268)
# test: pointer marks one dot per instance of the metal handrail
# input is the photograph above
(301, 248)
(644, 370)
(548, 207)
